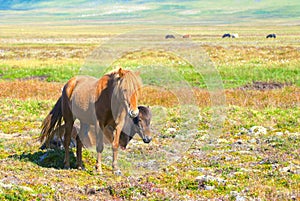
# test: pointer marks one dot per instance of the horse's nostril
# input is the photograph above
(147, 140)
(133, 113)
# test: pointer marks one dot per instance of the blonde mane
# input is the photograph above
(128, 83)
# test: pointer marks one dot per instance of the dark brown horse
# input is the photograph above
(169, 36)
(139, 125)
(271, 36)
(227, 35)
(103, 102)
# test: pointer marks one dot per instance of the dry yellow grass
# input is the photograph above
(288, 96)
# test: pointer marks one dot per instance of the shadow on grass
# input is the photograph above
(52, 158)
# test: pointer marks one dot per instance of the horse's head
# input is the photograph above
(142, 123)
(130, 83)
(139, 125)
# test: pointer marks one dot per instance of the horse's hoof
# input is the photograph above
(118, 172)
(99, 169)
(81, 168)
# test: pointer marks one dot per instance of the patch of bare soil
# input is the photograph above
(264, 85)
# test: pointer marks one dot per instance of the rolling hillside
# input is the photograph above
(197, 12)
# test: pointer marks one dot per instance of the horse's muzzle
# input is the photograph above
(133, 113)
(147, 139)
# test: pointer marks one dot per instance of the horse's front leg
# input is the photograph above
(99, 148)
(115, 147)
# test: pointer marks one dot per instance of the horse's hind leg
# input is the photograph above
(79, 153)
(84, 128)
(67, 140)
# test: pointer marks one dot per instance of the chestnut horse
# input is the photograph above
(103, 102)
(139, 125)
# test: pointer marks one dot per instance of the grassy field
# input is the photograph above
(254, 156)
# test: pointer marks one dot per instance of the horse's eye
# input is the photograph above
(136, 120)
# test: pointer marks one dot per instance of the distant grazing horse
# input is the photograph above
(271, 36)
(234, 35)
(186, 36)
(169, 36)
(101, 102)
(227, 35)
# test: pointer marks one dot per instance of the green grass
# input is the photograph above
(54, 73)
(248, 73)
(18, 116)
(231, 76)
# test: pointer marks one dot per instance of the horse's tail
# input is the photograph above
(51, 122)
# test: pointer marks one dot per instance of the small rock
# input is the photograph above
(6, 186)
(234, 193)
(91, 191)
(258, 130)
(205, 137)
(200, 178)
(293, 197)
(208, 178)
(200, 170)
(242, 131)
(240, 198)
(294, 169)
(252, 141)
(25, 188)
(209, 188)
(222, 141)
(237, 196)
(171, 130)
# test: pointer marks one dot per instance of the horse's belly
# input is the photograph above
(85, 114)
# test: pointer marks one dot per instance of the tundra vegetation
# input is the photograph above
(255, 156)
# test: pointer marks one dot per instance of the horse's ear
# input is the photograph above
(121, 72)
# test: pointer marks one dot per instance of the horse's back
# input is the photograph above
(85, 88)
